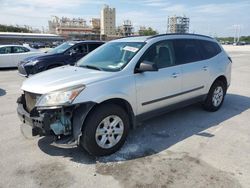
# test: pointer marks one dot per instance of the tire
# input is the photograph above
(99, 121)
(217, 88)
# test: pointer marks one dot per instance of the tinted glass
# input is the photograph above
(111, 56)
(161, 54)
(5, 50)
(187, 51)
(209, 49)
(93, 46)
(79, 49)
(26, 49)
(61, 48)
(19, 49)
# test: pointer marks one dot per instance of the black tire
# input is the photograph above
(88, 139)
(208, 103)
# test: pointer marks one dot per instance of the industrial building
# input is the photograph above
(126, 29)
(108, 19)
(75, 28)
(178, 24)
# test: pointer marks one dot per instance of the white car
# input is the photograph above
(11, 55)
(125, 81)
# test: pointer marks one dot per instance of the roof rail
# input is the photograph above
(169, 34)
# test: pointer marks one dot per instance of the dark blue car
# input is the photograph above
(67, 53)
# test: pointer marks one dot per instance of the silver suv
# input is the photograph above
(125, 81)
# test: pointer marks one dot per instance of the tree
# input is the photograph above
(6, 28)
(147, 32)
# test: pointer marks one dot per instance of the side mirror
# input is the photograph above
(146, 66)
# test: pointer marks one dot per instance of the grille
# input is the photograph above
(30, 100)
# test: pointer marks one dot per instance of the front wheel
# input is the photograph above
(215, 97)
(105, 130)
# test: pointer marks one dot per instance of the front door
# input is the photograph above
(160, 88)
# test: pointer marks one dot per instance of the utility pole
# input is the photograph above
(236, 33)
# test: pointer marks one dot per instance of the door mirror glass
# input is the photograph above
(146, 66)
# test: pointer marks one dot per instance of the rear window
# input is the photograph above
(209, 49)
(187, 51)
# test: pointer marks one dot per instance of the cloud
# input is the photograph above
(153, 13)
(36, 13)
(156, 3)
(221, 8)
(176, 9)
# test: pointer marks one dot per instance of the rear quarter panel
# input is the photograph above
(220, 66)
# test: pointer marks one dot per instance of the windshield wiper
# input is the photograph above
(91, 67)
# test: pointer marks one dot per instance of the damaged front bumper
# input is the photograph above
(59, 121)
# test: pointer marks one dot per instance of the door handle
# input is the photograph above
(175, 75)
(205, 68)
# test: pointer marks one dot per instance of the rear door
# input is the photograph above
(5, 57)
(160, 88)
(195, 70)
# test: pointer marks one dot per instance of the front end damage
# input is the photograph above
(59, 121)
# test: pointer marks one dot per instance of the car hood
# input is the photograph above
(63, 77)
(41, 57)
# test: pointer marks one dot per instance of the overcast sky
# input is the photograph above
(209, 17)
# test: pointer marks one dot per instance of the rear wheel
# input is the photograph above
(106, 129)
(215, 96)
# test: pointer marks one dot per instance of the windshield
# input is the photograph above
(61, 48)
(113, 56)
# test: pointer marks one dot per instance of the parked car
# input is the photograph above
(38, 45)
(67, 53)
(125, 81)
(11, 55)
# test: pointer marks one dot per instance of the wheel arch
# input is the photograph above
(122, 103)
(221, 78)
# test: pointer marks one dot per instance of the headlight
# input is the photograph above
(32, 63)
(60, 97)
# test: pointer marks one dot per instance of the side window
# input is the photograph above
(187, 51)
(161, 54)
(18, 49)
(93, 46)
(80, 49)
(210, 49)
(5, 50)
(26, 49)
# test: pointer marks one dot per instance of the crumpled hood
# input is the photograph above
(42, 57)
(62, 77)
(33, 58)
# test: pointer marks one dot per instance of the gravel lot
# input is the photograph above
(185, 148)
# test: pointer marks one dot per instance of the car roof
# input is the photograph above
(7, 45)
(165, 36)
(85, 41)
(132, 39)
